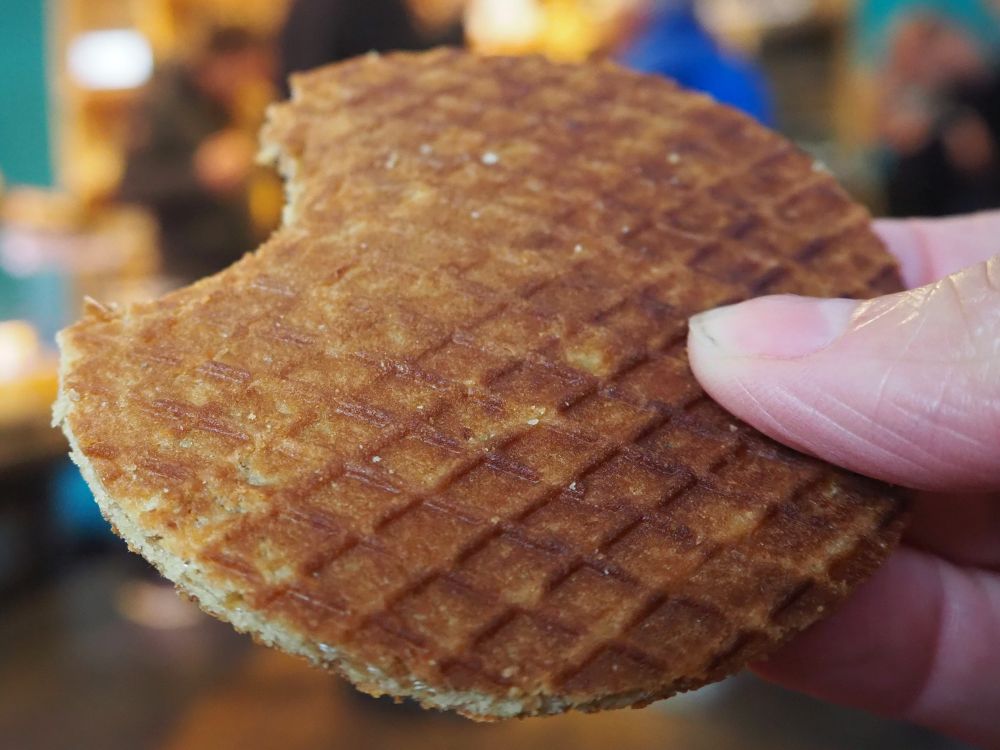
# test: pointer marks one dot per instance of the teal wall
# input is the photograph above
(25, 157)
(875, 19)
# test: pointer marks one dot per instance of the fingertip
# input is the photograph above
(930, 249)
(775, 327)
(893, 388)
(903, 241)
(755, 359)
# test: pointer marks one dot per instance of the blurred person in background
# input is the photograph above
(670, 40)
(317, 32)
(189, 159)
(939, 118)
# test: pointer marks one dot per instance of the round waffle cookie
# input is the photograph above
(439, 433)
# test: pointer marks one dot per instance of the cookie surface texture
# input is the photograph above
(439, 434)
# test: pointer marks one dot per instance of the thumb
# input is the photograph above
(905, 388)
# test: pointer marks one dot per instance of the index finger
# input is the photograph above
(930, 249)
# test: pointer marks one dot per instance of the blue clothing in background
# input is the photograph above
(675, 44)
(76, 515)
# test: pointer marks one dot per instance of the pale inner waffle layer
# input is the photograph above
(440, 432)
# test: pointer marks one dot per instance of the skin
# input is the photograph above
(906, 389)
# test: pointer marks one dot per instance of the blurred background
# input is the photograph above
(127, 138)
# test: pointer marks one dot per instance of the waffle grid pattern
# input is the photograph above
(502, 471)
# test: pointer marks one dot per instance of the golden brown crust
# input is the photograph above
(440, 433)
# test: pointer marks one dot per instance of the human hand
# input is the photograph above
(905, 388)
(223, 161)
